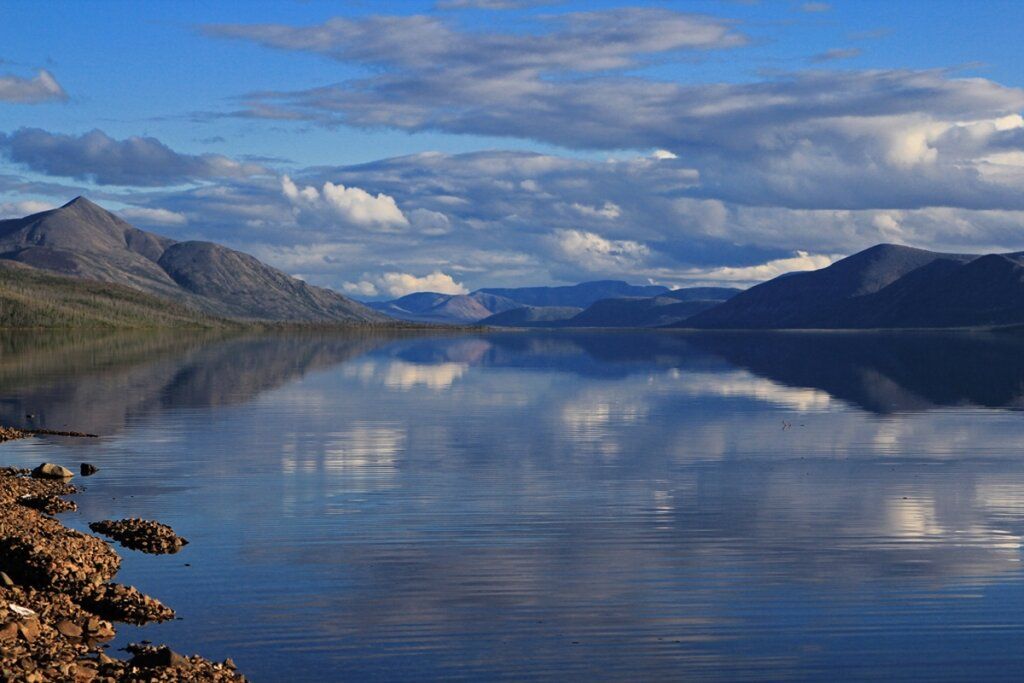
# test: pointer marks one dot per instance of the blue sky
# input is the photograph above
(381, 148)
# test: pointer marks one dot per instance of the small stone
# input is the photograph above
(23, 612)
(6, 580)
(69, 629)
(48, 470)
(88, 469)
(29, 629)
(157, 657)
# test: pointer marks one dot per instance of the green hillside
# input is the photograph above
(31, 298)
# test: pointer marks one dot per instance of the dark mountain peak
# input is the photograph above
(889, 248)
(84, 208)
(80, 201)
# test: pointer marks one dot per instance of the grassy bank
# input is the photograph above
(33, 299)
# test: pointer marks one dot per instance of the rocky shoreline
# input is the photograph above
(58, 600)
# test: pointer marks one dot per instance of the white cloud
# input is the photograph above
(595, 253)
(25, 208)
(362, 288)
(430, 222)
(744, 275)
(43, 88)
(400, 284)
(351, 205)
(154, 216)
(663, 154)
(888, 225)
(608, 210)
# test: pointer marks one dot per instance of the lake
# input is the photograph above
(615, 506)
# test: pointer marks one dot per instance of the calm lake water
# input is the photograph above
(556, 506)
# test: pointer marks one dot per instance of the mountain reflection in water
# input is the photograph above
(608, 506)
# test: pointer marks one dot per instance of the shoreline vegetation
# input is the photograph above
(58, 599)
(34, 299)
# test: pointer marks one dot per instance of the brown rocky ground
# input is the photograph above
(57, 595)
(141, 534)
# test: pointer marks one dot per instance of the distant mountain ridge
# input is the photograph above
(671, 306)
(886, 286)
(580, 295)
(85, 241)
(483, 303)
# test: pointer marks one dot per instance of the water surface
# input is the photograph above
(556, 506)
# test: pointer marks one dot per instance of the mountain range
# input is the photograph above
(665, 308)
(83, 241)
(480, 305)
(81, 264)
(886, 286)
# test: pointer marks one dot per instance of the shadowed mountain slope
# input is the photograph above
(84, 241)
(884, 286)
(32, 298)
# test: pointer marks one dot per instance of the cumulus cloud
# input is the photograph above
(430, 222)
(400, 284)
(42, 88)
(608, 210)
(99, 158)
(749, 275)
(350, 205)
(598, 254)
(154, 216)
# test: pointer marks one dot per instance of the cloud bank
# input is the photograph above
(96, 157)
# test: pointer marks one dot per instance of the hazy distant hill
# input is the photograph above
(581, 295)
(657, 311)
(533, 316)
(653, 312)
(83, 240)
(885, 286)
(483, 303)
(444, 308)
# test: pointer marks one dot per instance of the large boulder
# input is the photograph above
(48, 470)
